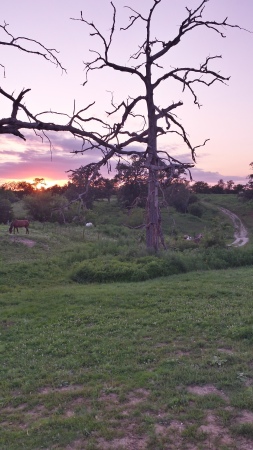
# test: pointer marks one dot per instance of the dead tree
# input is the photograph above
(117, 139)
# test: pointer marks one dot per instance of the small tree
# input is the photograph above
(83, 185)
(238, 188)
(229, 186)
(45, 206)
(200, 187)
(178, 195)
(248, 188)
(218, 188)
(131, 181)
(117, 138)
(105, 188)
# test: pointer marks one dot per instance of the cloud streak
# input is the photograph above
(34, 158)
(26, 160)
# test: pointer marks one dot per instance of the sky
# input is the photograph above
(225, 116)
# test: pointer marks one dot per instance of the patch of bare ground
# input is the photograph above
(11, 409)
(215, 435)
(207, 390)
(182, 353)
(110, 399)
(69, 388)
(226, 350)
(171, 436)
(69, 413)
(75, 405)
(128, 436)
(37, 411)
(174, 426)
(132, 398)
(245, 417)
(161, 345)
(137, 396)
(244, 444)
(128, 442)
(27, 242)
(216, 432)
(7, 323)
(28, 416)
(79, 444)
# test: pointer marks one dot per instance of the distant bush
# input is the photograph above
(193, 199)
(195, 209)
(211, 239)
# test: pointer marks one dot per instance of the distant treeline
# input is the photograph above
(129, 187)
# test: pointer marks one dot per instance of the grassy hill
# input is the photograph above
(163, 363)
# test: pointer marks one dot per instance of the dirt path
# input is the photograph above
(241, 234)
(27, 242)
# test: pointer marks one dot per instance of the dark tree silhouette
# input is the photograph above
(248, 188)
(119, 139)
(200, 187)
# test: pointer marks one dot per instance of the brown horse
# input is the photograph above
(16, 224)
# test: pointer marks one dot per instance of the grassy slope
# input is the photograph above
(115, 366)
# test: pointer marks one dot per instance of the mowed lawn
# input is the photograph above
(160, 364)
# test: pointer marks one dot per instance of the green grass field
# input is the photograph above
(159, 364)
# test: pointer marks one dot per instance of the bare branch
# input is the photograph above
(19, 43)
(189, 71)
(103, 61)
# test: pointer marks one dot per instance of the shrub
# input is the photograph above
(195, 209)
(174, 264)
(101, 271)
(213, 239)
(104, 270)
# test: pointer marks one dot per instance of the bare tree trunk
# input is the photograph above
(154, 234)
(153, 214)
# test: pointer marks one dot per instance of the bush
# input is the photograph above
(108, 270)
(40, 204)
(109, 266)
(101, 271)
(195, 209)
(213, 239)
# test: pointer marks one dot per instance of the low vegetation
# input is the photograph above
(104, 346)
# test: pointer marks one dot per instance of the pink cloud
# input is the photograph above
(26, 160)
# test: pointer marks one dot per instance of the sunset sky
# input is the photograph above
(225, 117)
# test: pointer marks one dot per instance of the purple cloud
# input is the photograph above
(26, 160)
